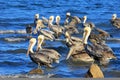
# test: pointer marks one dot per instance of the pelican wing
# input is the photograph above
(42, 58)
(92, 52)
(51, 53)
(76, 39)
(45, 20)
(48, 34)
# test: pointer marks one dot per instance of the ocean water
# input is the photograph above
(16, 14)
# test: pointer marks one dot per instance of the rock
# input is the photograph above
(94, 72)
(36, 71)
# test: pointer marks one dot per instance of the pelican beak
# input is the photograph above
(68, 56)
(70, 53)
(67, 40)
(59, 55)
(30, 45)
(39, 45)
(38, 48)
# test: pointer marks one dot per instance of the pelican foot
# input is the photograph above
(39, 67)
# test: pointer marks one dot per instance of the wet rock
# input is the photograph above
(36, 71)
(94, 72)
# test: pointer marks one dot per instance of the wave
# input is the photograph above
(14, 51)
(12, 39)
(9, 63)
(12, 31)
(113, 30)
(117, 50)
(114, 40)
(26, 76)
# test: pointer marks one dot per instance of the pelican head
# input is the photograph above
(84, 19)
(57, 19)
(68, 14)
(36, 16)
(114, 16)
(32, 43)
(39, 22)
(51, 19)
(40, 41)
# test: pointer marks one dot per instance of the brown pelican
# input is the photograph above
(77, 52)
(55, 28)
(49, 35)
(71, 26)
(36, 17)
(97, 34)
(87, 23)
(115, 21)
(67, 18)
(39, 25)
(58, 20)
(50, 21)
(29, 29)
(94, 72)
(87, 31)
(53, 54)
(100, 52)
(58, 24)
(36, 57)
(45, 20)
(70, 40)
(103, 53)
(75, 20)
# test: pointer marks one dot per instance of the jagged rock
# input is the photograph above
(94, 72)
(36, 71)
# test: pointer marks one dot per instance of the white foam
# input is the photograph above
(6, 31)
(14, 39)
(21, 31)
(26, 76)
(113, 39)
(12, 31)
(47, 31)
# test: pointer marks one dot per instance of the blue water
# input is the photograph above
(15, 14)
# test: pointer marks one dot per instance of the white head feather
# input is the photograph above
(37, 16)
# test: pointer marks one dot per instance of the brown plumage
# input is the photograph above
(115, 21)
(36, 57)
(71, 27)
(77, 51)
(51, 53)
(57, 29)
